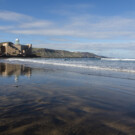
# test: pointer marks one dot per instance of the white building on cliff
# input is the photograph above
(17, 49)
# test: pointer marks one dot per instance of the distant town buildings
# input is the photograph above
(10, 49)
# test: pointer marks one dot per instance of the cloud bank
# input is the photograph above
(88, 26)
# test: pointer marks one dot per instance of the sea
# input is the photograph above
(108, 67)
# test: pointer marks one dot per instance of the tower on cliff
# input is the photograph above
(17, 41)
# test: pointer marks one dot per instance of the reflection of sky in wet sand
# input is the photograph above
(59, 103)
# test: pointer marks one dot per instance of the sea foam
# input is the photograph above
(76, 65)
(116, 59)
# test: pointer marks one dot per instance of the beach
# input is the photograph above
(52, 99)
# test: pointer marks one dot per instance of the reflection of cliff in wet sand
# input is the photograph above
(16, 70)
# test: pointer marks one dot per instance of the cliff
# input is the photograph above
(50, 53)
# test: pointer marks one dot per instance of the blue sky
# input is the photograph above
(105, 27)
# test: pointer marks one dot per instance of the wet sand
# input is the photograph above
(49, 102)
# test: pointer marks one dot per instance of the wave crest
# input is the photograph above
(43, 61)
(116, 59)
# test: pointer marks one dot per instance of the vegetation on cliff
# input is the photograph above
(50, 53)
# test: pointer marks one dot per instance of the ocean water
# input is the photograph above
(109, 67)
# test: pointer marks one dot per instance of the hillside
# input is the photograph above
(50, 53)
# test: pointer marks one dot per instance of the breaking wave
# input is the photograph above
(116, 59)
(75, 65)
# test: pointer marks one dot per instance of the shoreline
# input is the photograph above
(19, 57)
(49, 57)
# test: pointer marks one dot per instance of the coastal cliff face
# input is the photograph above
(50, 53)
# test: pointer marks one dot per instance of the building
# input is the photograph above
(10, 49)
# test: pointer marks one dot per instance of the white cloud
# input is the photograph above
(61, 40)
(13, 16)
(87, 26)
(4, 28)
(47, 32)
(36, 24)
(23, 21)
(79, 6)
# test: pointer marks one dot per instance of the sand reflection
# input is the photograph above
(15, 70)
(53, 108)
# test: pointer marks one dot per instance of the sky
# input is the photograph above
(104, 27)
